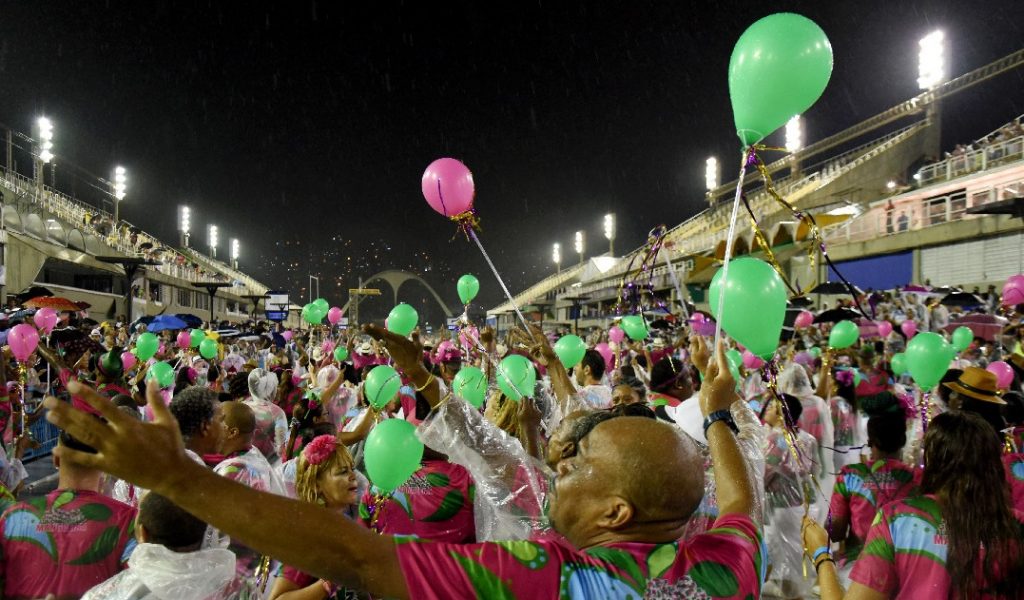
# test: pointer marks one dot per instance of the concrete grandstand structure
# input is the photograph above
(891, 212)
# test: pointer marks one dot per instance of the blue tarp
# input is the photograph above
(883, 272)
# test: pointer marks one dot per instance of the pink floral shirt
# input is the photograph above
(435, 504)
(862, 489)
(63, 544)
(725, 562)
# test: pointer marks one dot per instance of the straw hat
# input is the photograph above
(977, 383)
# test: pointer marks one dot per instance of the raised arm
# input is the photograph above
(733, 478)
(408, 356)
(152, 456)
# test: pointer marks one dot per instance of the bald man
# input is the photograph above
(244, 463)
(622, 501)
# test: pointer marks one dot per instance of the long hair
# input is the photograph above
(963, 466)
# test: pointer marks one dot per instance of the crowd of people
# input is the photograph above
(651, 468)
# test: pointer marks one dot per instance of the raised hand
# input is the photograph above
(718, 391)
(150, 455)
(406, 352)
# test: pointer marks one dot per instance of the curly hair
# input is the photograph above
(307, 476)
(238, 385)
(193, 407)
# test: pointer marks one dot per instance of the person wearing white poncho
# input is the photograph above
(168, 564)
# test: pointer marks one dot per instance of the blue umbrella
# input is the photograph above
(190, 320)
(166, 322)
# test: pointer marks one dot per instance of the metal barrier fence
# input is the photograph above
(45, 433)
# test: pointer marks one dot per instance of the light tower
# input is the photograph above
(556, 257)
(234, 253)
(184, 224)
(578, 244)
(794, 142)
(212, 240)
(609, 232)
(44, 151)
(711, 177)
(118, 189)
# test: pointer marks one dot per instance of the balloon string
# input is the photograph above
(747, 155)
(504, 288)
(675, 282)
(440, 196)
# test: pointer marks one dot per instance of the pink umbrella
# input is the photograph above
(985, 327)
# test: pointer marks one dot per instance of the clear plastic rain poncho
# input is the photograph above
(271, 433)
(157, 573)
(816, 420)
(511, 486)
(788, 484)
(752, 442)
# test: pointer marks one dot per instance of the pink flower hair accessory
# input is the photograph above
(320, 449)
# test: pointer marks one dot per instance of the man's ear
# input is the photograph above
(618, 513)
(140, 533)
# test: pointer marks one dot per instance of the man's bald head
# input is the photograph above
(632, 479)
(238, 415)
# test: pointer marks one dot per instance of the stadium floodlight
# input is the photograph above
(556, 256)
(609, 232)
(184, 224)
(794, 134)
(212, 240)
(234, 253)
(578, 244)
(931, 60)
(711, 174)
(891, 185)
(120, 185)
(44, 129)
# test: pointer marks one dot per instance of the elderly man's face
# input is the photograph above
(624, 394)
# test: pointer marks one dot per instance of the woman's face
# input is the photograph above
(624, 394)
(771, 414)
(338, 485)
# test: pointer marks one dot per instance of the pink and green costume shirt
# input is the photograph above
(724, 562)
(862, 489)
(63, 544)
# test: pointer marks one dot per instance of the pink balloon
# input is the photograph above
(606, 353)
(804, 319)
(698, 318)
(23, 340)
(1003, 372)
(909, 328)
(1013, 291)
(287, 335)
(752, 362)
(616, 334)
(334, 315)
(327, 347)
(448, 187)
(184, 339)
(128, 360)
(45, 319)
(884, 328)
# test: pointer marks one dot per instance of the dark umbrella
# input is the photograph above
(191, 320)
(834, 315)
(800, 301)
(166, 323)
(834, 288)
(33, 292)
(962, 299)
(146, 320)
(66, 335)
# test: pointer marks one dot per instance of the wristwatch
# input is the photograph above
(720, 415)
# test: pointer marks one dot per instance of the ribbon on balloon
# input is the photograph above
(448, 188)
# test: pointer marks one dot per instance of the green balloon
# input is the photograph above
(341, 354)
(517, 377)
(735, 359)
(402, 319)
(468, 286)
(779, 68)
(146, 346)
(570, 350)
(196, 337)
(634, 327)
(844, 334)
(208, 348)
(392, 454)
(815, 351)
(962, 338)
(321, 305)
(755, 305)
(311, 314)
(927, 357)
(470, 384)
(382, 383)
(163, 373)
(898, 363)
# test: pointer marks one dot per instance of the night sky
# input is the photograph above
(303, 128)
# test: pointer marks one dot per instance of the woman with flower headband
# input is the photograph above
(862, 488)
(325, 475)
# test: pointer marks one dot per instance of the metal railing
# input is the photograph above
(957, 165)
(916, 214)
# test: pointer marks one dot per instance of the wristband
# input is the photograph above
(818, 564)
(817, 553)
(720, 415)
